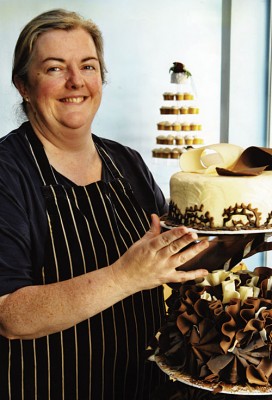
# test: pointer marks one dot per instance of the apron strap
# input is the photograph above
(108, 161)
(40, 158)
(45, 169)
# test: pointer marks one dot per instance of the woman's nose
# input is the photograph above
(74, 79)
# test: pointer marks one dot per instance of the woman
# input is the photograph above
(82, 258)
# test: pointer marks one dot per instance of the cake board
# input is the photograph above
(219, 387)
(226, 247)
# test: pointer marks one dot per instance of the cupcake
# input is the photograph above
(170, 139)
(160, 125)
(189, 139)
(161, 152)
(184, 110)
(188, 96)
(185, 126)
(179, 96)
(198, 140)
(175, 153)
(161, 139)
(168, 96)
(193, 126)
(176, 126)
(165, 110)
(166, 153)
(167, 126)
(179, 139)
(156, 153)
(174, 110)
(192, 110)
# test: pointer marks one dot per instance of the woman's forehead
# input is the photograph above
(57, 42)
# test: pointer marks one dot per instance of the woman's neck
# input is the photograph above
(75, 157)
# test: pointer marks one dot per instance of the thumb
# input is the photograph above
(155, 227)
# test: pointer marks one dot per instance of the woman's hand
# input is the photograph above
(153, 259)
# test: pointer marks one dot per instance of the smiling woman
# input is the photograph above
(82, 256)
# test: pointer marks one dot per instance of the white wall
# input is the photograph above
(248, 73)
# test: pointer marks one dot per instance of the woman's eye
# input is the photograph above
(88, 67)
(53, 69)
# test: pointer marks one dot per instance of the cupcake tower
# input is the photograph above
(181, 126)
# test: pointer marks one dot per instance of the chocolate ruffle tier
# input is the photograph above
(218, 342)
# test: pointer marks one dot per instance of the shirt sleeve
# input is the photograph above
(15, 241)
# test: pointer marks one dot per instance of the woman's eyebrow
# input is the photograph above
(89, 58)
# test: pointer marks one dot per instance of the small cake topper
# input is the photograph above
(179, 74)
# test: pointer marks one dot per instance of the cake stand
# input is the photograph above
(246, 390)
(226, 248)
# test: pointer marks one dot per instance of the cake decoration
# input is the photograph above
(179, 74)
(219, 328)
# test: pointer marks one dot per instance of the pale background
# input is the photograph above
(223, 43)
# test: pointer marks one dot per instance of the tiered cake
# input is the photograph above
(219, 329)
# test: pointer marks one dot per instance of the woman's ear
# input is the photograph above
(21, 87)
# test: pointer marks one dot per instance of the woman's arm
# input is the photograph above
(35, 311)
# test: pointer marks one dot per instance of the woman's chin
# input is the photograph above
(76, 122)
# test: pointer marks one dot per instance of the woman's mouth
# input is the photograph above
(77, 100)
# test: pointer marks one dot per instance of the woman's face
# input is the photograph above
(64, 85)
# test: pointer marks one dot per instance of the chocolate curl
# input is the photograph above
(190, 294)
(256, 376)
(266, 366)
(202, 308)
(255, 350)
(250, 308)
(217, 364)
(212, 378)
(229, 327)
(263, 272)
(217, 308)
(233, 377)
(253, 161)
(185, 322)
(204, 340)
(254, 325)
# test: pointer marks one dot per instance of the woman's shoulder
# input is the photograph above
(14, 142)
(16, 161)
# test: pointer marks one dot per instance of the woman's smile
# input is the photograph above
(75, 100)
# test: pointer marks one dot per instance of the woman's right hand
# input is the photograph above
(153, 259)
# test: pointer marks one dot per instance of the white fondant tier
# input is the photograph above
(222, 200)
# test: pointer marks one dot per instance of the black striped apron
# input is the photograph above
(103, 357)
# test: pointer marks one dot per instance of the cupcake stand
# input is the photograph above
(180, 126)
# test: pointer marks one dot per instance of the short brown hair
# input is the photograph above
(54, 19)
